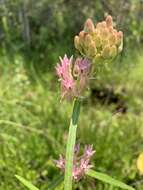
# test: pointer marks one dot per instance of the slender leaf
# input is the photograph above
(70, 146)
(28, 184)
(107, 179)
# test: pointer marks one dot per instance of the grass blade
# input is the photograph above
(28, 184)
(107, 179)
(70, 146)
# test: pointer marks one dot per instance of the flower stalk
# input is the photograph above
(70, 145)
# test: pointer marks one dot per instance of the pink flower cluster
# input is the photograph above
(80, 164)
(73, 76)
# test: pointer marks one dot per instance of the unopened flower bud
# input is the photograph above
(103, 24)
(81, 38)
(110, 29)
(109, 21)
(106, 40)
(82, 34)
(112, 39)
(120, 47)
(120, 34)
(76, 42)
(97, 41)
(98, 25)
(92, 49)
(89, 26)
(106, 52)
(104, 33)
(87, 41)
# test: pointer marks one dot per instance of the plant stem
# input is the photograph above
(70, 145)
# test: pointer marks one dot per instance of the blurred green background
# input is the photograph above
(33, 121)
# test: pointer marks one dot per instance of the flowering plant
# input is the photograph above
(95, 44)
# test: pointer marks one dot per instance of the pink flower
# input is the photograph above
(60, 163)
(81, 163)
(64, 72)
(73, 76)
(83, 66)
(68, 88)
(64, 68)
(88, 151)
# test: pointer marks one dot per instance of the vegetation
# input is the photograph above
(33, 122)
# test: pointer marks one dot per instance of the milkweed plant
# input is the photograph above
(95, 45)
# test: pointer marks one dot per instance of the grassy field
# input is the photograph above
(34, 123)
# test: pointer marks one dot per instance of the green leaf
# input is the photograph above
(28, 184)
(107, 179)
(70, 146)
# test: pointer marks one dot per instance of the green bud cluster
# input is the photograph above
(101, 42)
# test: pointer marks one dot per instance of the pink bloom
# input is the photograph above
(73, 76)
(81, 163)
(88, 151)
(68, 88)
(64, 72)
(64, 68)
(60, 163)
(77, 148)
(83, 66)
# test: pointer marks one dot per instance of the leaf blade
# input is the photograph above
(26, 183)
(106, 178)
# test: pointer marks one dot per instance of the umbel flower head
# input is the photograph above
(73, 76)
(80, 164)
(101, 42)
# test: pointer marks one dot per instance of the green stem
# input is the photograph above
(70, 146)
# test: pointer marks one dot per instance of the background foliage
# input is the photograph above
(34, 124)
